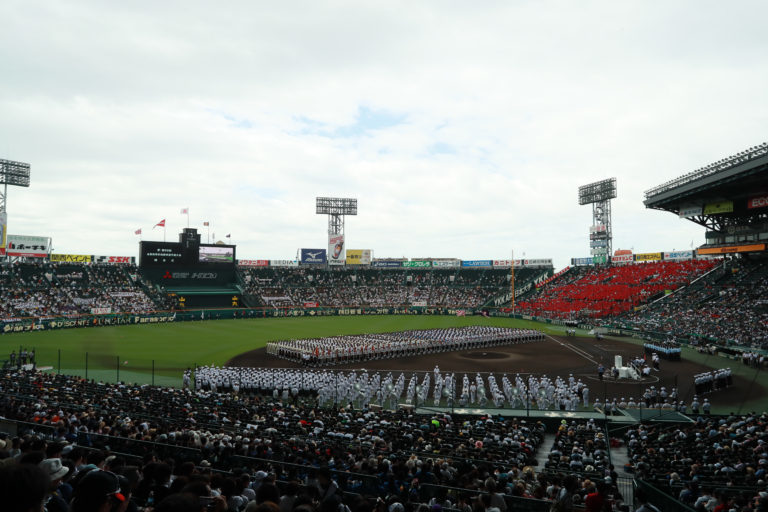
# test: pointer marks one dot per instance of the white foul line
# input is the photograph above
(571, 347)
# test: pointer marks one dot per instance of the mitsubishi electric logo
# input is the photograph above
(190, 275)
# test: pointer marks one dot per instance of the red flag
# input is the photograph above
(185, 211)
(161, 224)
(137, 232)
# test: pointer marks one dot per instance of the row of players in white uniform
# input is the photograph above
(390, 389)
(346, 349)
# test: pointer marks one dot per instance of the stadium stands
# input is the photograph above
(459, 287)
(726, 306)
(48, 289)
(599, 292)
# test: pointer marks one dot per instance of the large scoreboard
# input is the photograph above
(188, 262)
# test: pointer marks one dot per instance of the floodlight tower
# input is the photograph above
(336, 208)
(12, 173)
(15, 174)
(599, 195)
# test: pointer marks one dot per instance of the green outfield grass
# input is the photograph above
(129, 353)
(132, 349)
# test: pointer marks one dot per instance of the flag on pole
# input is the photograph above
(161, 224)
(137, 232)
(206, 223)
(185, 211)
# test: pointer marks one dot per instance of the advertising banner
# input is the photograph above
(253, 263)
(28, 246)
(581, 262)
(417, 264)
(752, 202)
(312, 257)
(678, 255)
(598, 243)
(732, 249)
(600, 260)
(502, 263)
(477, 263)
(3, 231)
(623, 258)
(648, 256)
(719, 207)
(101, 311)
(358, 256)
(542, 262)
(690, 210)
(446, 263)
(387, 264)
(283, 263)
(311, 304)
(115, 260)
(71, 258)
(335, 249)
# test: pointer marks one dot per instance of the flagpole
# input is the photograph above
(187, 218)
(163, 231)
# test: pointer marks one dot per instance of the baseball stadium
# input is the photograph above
(436, 384)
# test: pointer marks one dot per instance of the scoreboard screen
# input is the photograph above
(217, 254)
(153, 254)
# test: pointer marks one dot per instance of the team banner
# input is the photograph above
(115, 260)
(719, 207)
(648, 256)
(732, 249)
(283, 263)
(623, 258)
(690, 210)
(477, 263)
(335, 249)
(253, 263)
(358, 256)
(28, 246)
(387, 264)
(3, 231)
(446, 263)
(313, 257)
(678, 255)
(71, 258)
(417, 264)
(757, 202)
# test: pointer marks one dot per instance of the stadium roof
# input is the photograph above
(719, 190)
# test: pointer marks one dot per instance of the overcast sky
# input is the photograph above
(464, 129)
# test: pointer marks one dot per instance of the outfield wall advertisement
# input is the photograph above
(71, 258)
(358, 256)
(417, 264)
(28, 246)
(335, 249)
(446, 263)
(387, 264)
(3, 231)
(648, 256)
(678, 255)
(313, 257)
(253, 263)
(477, 263)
